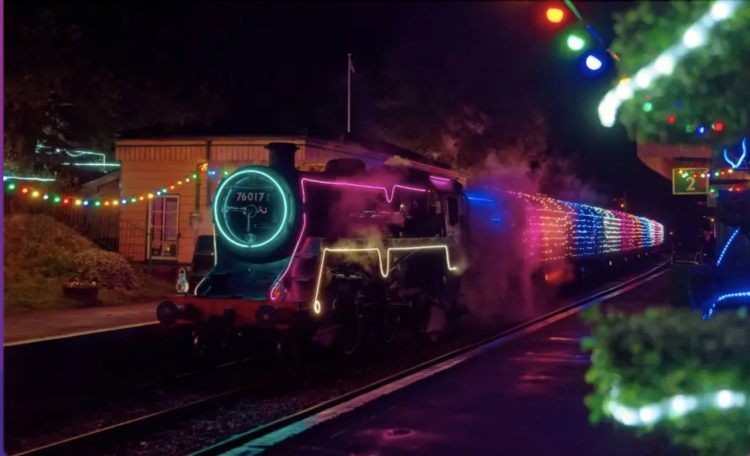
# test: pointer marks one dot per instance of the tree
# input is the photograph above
(707, 85)
(67, 85)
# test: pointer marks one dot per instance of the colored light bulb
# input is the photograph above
(555, 15)
(593, 63)
(648, 106)
(575, 42)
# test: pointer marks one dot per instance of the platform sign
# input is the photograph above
(689, 181)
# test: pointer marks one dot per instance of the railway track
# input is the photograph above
(98, 441)
(262, 437)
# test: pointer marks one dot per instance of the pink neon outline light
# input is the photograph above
(441, 179)
(291, 259)
(369, 187)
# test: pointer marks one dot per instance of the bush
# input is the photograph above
(646, 359)
(107, 269)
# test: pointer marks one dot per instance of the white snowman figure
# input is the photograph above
(183, 286)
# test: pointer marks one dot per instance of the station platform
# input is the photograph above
(525, 396)
(42, 325)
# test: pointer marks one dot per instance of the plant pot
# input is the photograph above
(86, 295)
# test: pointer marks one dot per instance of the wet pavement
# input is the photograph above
(523, 397)
(42, 325)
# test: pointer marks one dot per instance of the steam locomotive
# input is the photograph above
(351, 252)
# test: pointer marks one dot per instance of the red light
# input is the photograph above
(66, 201)
(718, 126)
(555, 15)
(276, 293)
(671, 119)
(24, 190)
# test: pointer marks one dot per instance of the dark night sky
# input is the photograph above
(281, 64)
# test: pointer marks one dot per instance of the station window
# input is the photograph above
(163, 222)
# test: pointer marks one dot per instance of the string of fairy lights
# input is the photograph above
(35, 192)
(560, 229)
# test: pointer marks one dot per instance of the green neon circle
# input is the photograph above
(218, 202)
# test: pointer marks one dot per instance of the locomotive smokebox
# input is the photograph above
(281, 155)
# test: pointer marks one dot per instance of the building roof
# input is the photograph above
(237, 132)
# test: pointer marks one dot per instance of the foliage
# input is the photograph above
(107, 269)
(708, 83)
(41, 255)
(664, 352)
(66, 84)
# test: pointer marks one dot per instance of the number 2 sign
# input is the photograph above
(689, 181)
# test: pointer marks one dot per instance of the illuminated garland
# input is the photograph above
(560, 229)
(385, 267)
(664, 64)
(29, 178)
(673, 407)
(74, 201)
(710, 308)
(726, 246)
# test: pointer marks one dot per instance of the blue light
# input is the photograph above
(700, 130)
(593, 63)
(477, 198)
(738, 163)
(726, 246)
(709, 312)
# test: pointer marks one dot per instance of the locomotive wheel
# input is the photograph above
(350, 321)
(391, 326)
(351, 333)
(206, 344)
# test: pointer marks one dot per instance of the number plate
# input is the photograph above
(689, 181)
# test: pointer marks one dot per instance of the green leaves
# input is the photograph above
(706, 84)
(664, 352)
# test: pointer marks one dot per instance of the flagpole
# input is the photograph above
(349, 94)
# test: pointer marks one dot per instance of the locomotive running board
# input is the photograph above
(263, 437)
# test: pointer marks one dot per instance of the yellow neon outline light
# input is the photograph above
(385, 269)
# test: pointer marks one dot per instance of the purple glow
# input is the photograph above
(442, 182)
(388, 198)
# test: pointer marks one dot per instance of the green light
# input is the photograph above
(575, 43)
(716, 174)
(689, 128)
(11, 186)
(97, 203)
(133, 200)
(195, 176)
(648, 106)
(56, 199)
(164, 190)
(226, 173)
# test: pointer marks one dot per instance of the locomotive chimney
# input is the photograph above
(281, 155)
